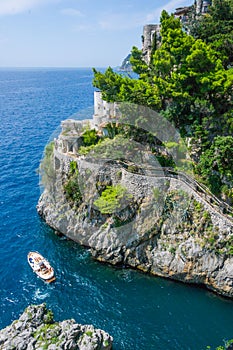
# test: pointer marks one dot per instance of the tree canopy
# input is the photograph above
(216, 29)
(189, 80)
(182, 70)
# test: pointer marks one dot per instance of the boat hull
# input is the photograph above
(41, 267)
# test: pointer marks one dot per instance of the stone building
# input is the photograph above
(202, 6)
(149, 33)
(150, 30)
(70, 138)
(182, 13)
(104, 112)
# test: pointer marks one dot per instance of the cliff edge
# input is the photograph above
(151, 218)
(36, 329)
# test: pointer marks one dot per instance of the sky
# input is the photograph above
(75, 33)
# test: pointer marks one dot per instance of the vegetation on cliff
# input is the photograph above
(216, 29)
(46, 169)
(189, 81)
(111, 199)
(72, 185)
(36, 329)
(227, 346)
(121, 200)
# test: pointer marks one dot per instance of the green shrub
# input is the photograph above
(165, 161)
(222, 347)
(73, 167)
(89, 333)
(206, 215)
(72, 189)
(90, 137)
(119, 174)
(84, 150)
(111, 199)
(171, 145)
(117, 148)
(172, 250)
(198, 206)
(49, 149)
(49, 317)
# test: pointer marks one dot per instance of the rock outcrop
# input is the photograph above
(126, 65)
(166, 227)
(36, 329)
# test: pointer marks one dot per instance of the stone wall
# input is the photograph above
(149, 32)
(152, 30)
(202, 6)
(161, 230)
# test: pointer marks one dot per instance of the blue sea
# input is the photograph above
(139, 311)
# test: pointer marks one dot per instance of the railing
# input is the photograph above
(222, 207)
(218, 205)
(203, 190)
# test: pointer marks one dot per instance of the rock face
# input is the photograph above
(36, 329)
(169, 227)
(126, 65)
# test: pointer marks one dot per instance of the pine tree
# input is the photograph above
(216, 29)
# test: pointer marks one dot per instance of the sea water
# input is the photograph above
(139, 311)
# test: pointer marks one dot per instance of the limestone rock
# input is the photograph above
(36, 329)
(171, 226)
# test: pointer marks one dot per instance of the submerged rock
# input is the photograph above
(36, 329)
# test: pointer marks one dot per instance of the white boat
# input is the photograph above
(41, 266)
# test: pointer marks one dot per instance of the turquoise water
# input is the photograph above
(139, 311)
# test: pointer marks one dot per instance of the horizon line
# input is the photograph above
(51, 67)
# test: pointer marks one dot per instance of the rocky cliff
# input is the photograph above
(162, 224)
(36, 329)
(126, 65)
